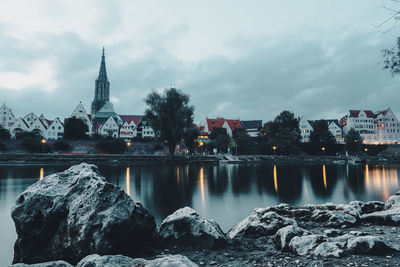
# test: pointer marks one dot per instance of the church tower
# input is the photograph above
(102, 88)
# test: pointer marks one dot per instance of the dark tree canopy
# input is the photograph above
(284, 133)
(24, 134)
(4, 133)
(190, 136)
(169, 115)
(353, 141)
(243, 141)
(322, 137)
(75, 128)
(220, 139)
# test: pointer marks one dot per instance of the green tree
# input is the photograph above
(284, 133)
(75, 128)
(242, 141)
(219, 139)
(4, 133)
(353, 141)
(169, 115)
(322, 137)
(190, 136)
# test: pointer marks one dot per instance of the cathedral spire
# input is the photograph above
(103, 70)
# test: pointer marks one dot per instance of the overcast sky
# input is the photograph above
(236, 59)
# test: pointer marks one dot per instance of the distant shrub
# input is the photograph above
(4, 133)
(3, 147)
(34, 145)
(61, 145)
(23, 134)
(112, 146)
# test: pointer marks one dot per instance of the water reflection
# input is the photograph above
(226, 193)
(381, 180)
(128, 181)
(41, 174)
(201, 183)
(275, 179)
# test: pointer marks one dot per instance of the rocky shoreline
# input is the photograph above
(72, 217)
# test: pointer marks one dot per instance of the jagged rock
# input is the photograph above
(368, 245)
(44, 264)
(335, 215)
(332, 232)
(330, 249)
(75, 213)
(368, 207)
(393, 202)
(303, 245)
(260, 222)
(186, 226)
(96, 260)
(171, 261)
(285, 234)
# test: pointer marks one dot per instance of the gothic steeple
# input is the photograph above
(102, 88)
(103, 70)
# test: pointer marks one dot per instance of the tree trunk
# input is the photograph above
(171, 151)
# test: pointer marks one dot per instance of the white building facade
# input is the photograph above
(7, 118)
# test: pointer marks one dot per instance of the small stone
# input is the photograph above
(231, 258)
(213, 263)
(297, 261)
(344, 226)
(202, 263)
(388, 256)
(226, 254)
(166, 250)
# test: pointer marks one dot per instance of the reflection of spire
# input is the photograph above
(41, 174)
(128, 181)
(275, 179)
(324, 176)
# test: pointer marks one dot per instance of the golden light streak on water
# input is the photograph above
(381, 180)
(128, 181)
(366, 175)
(177, 175)
(275, 179)
(201, 182)
(324, 176)
(41, 174)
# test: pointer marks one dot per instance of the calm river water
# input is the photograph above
(226, 193)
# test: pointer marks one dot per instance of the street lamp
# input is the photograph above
(43, 141)
(366, 150)
(128, 144)
(274, 148)
(323, 151)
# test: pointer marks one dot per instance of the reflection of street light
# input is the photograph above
(323, 151)
(274, 148)
(201, 144)
(43, 141)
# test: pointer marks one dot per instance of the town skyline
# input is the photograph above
(241, 68)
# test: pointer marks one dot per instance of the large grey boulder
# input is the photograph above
(44, 264)
(285, 234)
(186, 227)
(119, 260)
(96, 260)
(261, 222)
(75, 213)
(389, 215)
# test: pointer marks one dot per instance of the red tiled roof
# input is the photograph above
(219, 122)
(234, 124)
(128, 118)
(215, 123)
(354, 113)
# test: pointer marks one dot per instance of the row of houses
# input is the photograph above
(380, 127)
(119, 126)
